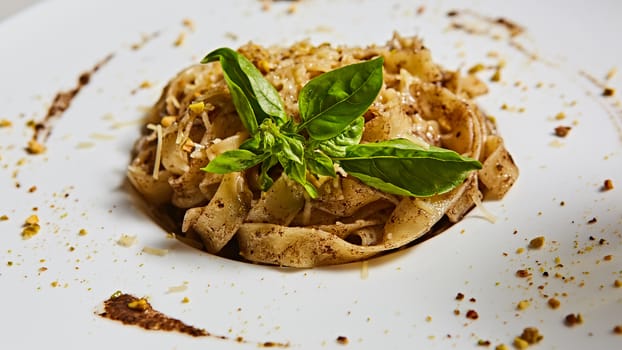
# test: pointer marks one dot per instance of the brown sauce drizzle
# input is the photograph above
(460, 21)
(131, 310)
(62, 101)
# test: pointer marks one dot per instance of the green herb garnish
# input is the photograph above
(331, 109)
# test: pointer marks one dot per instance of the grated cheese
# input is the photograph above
(158, 155)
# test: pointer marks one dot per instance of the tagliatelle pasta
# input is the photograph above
(195, 120)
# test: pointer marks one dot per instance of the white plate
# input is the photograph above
(408, 298)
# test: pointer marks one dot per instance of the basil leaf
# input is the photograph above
(331, 101)
(319, 164)
(254, 97)
(234, 160)
(291, 147)
(336, 146)
(265, 181)
(298, 173)
(402, 167)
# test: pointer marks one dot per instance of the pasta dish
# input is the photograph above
(319, 219)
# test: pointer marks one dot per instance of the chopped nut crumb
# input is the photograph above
(496, 75)
(554, 303)
(188, 23)
(459, 296)
(531, 335)
(609, 91)
(592, 221)
(197, 107)
(523, 273)
(536, 243)
(607, 185)
(472, 314)
(608, 257)
(342, 340)
(617, 283)
(483, 342)
(617, 329)
(573, 319)
(562, 131)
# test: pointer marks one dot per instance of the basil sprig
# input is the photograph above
(331, 111)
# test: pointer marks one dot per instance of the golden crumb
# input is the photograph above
(188, 23)
(35, 147)
(31, 227)
(520, 343)
(560, 116)
(5, 123)
(32, 189)
(82, 232)
(145, 84)
(522, 305)
(611, 73)
(54, 284)
(496, 75)
(428, 318)
(520, 250)
(185, 300)
(617, 329)
(536, 243)
(181, 38)
(608, 257)
(617, 284)
(554, 303)
(476, 68)
(607, 185)
(126, 240)
(502, 347)
(4, 218)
